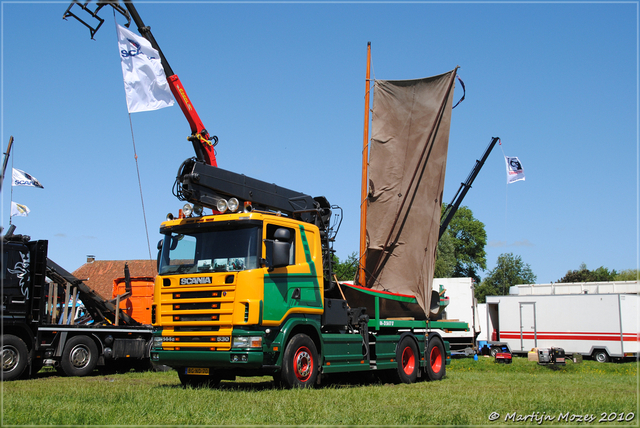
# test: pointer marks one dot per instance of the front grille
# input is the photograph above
(194, 306)
(196, 317)
(183, 329)
(196, 294)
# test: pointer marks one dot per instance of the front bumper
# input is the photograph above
(235, 359)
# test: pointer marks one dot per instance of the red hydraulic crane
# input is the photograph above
(203, 143)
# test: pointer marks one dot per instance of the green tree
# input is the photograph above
(445, 257)
(346, 270)
(627, 275)
(510, 270)
(582, 274)
(469, 239)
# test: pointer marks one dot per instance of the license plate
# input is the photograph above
(560, 360)
(197, 371)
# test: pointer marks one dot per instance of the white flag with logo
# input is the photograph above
(19, 210)
(145, 83)
(514, 169)
(21, 178)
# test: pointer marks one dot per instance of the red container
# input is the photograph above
(138, 304)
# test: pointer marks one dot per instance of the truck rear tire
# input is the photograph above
(80, 356)
(436, 359)
(408, 361)
(14, 357)
(300, 363)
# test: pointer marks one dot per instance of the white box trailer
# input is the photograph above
(462, 306)
(601, 326)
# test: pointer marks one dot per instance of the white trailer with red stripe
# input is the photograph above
(601, 325)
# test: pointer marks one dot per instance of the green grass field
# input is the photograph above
(473, 393)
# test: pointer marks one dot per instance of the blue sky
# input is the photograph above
(282, 86)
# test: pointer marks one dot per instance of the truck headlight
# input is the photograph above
(247, 342)
(159, 340)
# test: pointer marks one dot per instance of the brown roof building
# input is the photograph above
(99, 274)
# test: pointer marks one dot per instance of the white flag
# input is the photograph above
(145, 83)
(21, 178)
(514, 169)
(19, 210)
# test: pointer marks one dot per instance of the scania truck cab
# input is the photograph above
(231, 289)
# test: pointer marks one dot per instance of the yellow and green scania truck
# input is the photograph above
(249, 291)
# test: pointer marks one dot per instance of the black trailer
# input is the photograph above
(50, 317)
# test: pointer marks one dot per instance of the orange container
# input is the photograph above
(138, 304)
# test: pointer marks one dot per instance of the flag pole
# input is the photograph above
(365, 183)
(10, 216)
(6, 159)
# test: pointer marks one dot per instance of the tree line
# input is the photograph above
(461, 253)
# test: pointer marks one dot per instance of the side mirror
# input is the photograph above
(281, 254)
(277, 254)
(278, 249)
(159, 255)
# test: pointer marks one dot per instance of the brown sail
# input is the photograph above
(410, 137)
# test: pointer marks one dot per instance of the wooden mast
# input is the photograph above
(365, 183)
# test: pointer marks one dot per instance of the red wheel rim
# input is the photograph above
(436, 359)
(303, 364)
(408, 360)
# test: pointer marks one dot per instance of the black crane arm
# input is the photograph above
(464, 188)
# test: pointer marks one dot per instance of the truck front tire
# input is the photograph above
(300, 363)
(14, 357)
(436, 359)
(80, 356)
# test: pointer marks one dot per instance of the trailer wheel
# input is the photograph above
(408, 361)
(436, 363)
(300, 363)
(601, 356)
(80, 356)
(14, 357)
(198, 381)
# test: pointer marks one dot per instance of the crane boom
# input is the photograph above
(203, 143)
(464, 188)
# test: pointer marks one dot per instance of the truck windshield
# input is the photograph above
(221, 249)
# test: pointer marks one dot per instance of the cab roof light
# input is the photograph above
(233, 205)
(222, 206)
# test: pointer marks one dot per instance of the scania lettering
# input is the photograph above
(188, 281)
